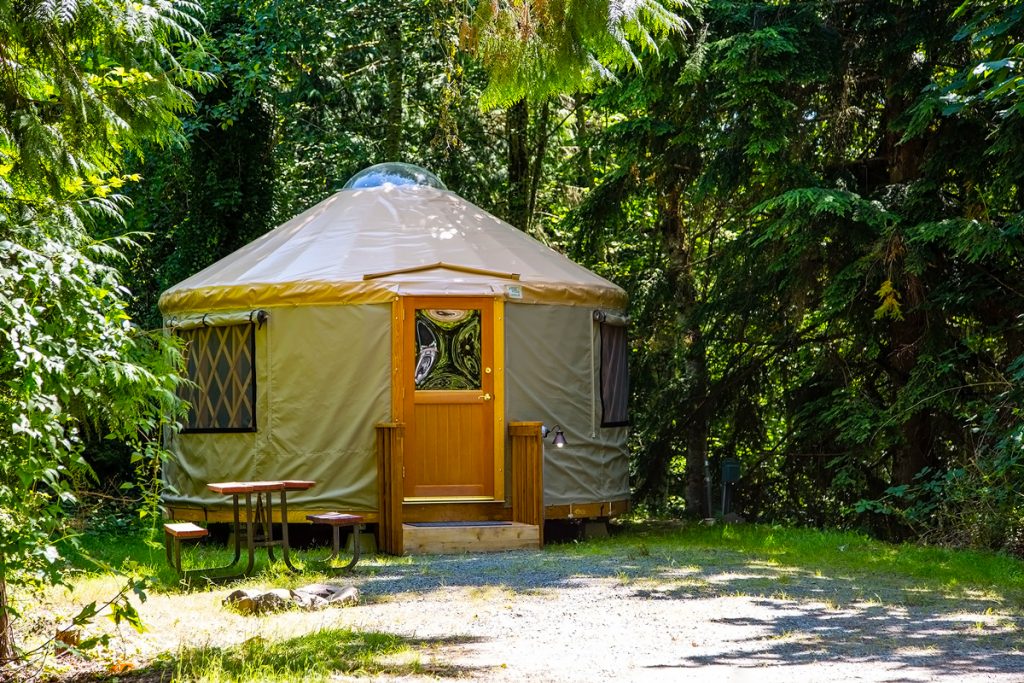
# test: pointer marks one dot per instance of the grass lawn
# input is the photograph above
(191, 636)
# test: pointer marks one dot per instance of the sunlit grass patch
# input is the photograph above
(490, 592)
(320, 655)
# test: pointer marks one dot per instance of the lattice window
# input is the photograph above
(614, 376)
(222, 367)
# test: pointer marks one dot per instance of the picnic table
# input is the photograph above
(259, 519)
(259, 527)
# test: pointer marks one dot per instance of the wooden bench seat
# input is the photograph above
(337, 520)
(185, 530)
(174, 534)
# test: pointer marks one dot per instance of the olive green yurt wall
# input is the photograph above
(322, 383)
(553, 367)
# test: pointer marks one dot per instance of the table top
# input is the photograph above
(233, 487)
(228, 487)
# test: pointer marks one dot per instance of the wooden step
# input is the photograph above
(469, 537)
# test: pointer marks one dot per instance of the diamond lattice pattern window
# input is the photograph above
(221, 365)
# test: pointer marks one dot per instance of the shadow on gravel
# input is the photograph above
(944, 642)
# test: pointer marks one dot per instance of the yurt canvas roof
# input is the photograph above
(369, 245)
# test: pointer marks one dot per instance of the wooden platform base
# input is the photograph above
(411, 512)
(444, 539)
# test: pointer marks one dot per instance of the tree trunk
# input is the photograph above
(539, 150)
(393, 139)
(698, 484)
(585, 168)
(696, 420)
(916, 429)
(904, 161)
(517, 120)
(6, 635)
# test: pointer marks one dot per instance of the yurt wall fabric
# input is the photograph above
(323, 383)
(552, 375)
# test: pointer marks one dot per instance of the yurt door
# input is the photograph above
(449, 393)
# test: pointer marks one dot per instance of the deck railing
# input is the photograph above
(390, 462)
(527, 474)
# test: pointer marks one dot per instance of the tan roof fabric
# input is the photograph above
(369, 245)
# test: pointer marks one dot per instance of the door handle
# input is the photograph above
(484, 397)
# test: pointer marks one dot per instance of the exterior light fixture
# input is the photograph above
(559, 438)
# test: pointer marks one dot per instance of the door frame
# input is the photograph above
(402, 372)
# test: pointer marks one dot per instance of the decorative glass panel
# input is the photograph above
(220, 364)
(447, 349)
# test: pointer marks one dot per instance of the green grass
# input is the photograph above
(138, 549)
(822, 553)
(316, 656)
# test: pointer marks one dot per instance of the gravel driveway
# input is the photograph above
(711, 615)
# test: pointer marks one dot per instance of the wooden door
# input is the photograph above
(449, 398)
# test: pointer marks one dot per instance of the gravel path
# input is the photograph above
(622, 611)
(556, 616)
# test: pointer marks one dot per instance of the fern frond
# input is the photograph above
(66, 11)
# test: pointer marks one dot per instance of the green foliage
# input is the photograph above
(84, 85)
(119, 609)
(535, 50)
(823, 281)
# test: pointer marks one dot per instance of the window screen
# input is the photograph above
(221, 366)
(614, 376)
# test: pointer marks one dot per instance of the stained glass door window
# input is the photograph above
(447, 349)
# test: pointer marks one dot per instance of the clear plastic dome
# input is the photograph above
(394, 173)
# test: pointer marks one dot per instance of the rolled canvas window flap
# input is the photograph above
(614, 376)
(194, 321)
(611, 318)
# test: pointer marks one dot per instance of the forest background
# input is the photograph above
(815, 207)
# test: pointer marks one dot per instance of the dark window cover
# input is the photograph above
(614, 376)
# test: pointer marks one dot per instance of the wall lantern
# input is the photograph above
(559, 438)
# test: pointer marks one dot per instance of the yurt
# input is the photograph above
(410, 353)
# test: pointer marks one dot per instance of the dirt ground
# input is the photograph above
(564, 616)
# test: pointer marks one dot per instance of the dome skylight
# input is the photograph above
(393, 173)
